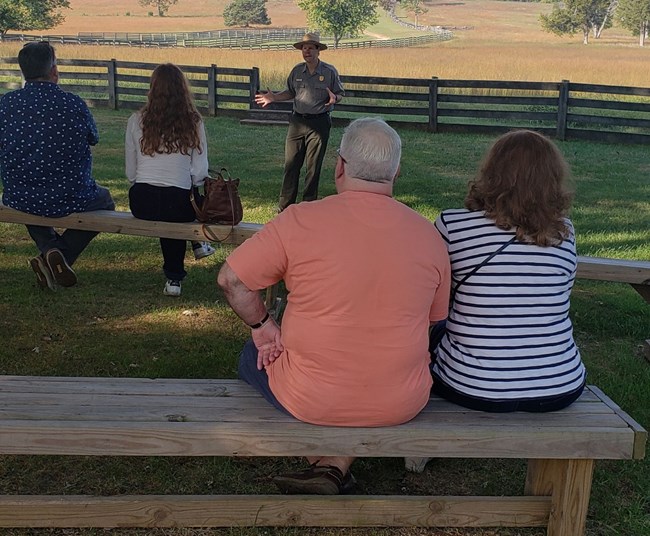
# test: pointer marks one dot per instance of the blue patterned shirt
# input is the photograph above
(45, 158)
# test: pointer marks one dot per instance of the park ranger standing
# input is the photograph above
(314, 87)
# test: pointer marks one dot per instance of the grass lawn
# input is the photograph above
(116, 322)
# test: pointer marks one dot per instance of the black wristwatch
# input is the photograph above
(261, 322)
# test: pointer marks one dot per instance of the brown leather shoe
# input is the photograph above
(316, 480)
(63, 274)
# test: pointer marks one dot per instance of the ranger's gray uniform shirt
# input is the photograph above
(310, 90)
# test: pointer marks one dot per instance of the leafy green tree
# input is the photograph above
(162, 5)
(340, 17)
(246, 12)
(30, 14)
(634, 15)
(573, 16)
(415, 7)
(387, 5)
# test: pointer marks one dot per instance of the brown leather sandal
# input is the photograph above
(316, 480)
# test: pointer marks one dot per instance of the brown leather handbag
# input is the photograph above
(219, 203)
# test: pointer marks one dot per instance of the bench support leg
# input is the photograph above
(568, 482)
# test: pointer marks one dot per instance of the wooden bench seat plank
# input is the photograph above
(145, 386)
(108, 221)
(640, 434)
(33, 405)
(299, 439)
(271, 510)
(165, 387)
(133, 417)
(618, 270)
(253, 411)
(35, 399)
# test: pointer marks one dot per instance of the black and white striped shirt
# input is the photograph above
(509, 335)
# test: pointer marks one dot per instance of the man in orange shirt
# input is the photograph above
(366, 276)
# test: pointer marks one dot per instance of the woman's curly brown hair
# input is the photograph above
(169, 118)
(522, 184)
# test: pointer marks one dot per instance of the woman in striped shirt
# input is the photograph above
(508, 343)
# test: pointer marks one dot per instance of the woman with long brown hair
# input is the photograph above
(508, 343)
(166, 155)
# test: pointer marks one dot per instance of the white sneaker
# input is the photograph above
(203, 250)
(172, 288)
(416, 465)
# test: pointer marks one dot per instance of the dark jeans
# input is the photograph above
(258, 379)
(164, 203)
(306, 143)
(72, 241)
(537, 405)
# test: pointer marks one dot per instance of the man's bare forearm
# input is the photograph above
(246, 303)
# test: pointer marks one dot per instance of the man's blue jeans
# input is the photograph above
(72, 241)
(258, 379)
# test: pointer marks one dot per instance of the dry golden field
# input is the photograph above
(505, 42)
(187, 15)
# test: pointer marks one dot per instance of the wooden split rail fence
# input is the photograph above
(565, 110)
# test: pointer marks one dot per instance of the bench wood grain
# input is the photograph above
(209, 417)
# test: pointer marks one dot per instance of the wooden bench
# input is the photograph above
(266, 116)
(108, 221)
(169, 417)
(635, 273)
(122, 222)
(139, 417)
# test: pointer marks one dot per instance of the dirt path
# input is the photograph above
(377, 36)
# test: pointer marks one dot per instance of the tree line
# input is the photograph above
(591, 17)
(349, 18)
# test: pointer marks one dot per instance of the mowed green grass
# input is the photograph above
(117, 323)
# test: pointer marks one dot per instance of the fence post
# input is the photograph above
(433, 104)
(254, 87)
(562, 110)
(112, 84)
(212, 90)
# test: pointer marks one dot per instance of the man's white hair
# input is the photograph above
(371, 150)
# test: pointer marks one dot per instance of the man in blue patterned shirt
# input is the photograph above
(45, 162)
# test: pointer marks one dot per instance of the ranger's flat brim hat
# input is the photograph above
(310, 39)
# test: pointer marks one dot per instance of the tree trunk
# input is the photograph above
(161, 12)
(585, 36)
(642, 32)
(610, 9)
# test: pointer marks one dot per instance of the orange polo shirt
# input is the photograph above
(365, 275)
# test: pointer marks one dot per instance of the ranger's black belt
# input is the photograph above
(310, 116)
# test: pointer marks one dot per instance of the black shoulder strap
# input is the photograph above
(477, 268)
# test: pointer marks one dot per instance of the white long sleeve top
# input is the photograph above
(176, 169)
